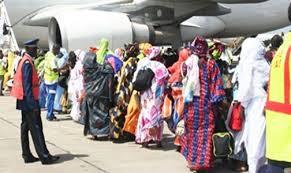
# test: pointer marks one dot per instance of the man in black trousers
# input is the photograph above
(26, 90)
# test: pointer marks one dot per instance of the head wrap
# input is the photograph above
(93, 49)
(119, 53)
(251, 57)
(183, 54)
(154, 52)
(199, 47)
(145, 48)
(115, 62)
(80, 54)
(103, 49)
(215, 50)
(132, 50)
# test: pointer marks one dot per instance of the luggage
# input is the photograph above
(237, 117)
(222, 144)
(143, 80)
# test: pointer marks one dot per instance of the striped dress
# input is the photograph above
(199, 118)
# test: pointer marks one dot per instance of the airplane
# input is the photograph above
(76, 24)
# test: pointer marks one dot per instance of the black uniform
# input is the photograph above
(31, 120)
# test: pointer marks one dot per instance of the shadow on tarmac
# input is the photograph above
(68, 157)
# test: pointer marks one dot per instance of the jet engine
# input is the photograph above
(84, 28)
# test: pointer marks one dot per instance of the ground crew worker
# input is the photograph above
(26, 90)
(51, 76)
(7, 76)
(278, 110)
(2, 71)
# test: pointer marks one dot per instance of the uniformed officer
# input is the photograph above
(26, 90)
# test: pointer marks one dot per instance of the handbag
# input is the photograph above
(143, 80)
(63, 81)
(237, 117)
(222, 144)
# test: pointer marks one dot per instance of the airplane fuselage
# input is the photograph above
(244, 19)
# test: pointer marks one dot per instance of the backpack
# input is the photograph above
(222, 144)
(143, 80)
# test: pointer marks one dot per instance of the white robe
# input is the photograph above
(76, 86)
(253, 75)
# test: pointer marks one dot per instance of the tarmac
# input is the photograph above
(81, 155)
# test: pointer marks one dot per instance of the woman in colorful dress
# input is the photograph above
(174, 102)
(199, 115)
(150, 122)
(122, 94)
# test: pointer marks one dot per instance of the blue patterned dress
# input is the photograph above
(199, 118)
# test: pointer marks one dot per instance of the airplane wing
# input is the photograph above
(138, 9)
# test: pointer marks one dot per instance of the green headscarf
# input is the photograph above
(103, 50)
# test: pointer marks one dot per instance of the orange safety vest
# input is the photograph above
(273, 104)
(17, 89)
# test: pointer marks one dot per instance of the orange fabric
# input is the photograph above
(180, 106)
(133, 111)
(177, 95)
(167, 108)
(175, 70)
(178, 140)
(17, 89)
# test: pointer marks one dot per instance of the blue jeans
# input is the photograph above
(42, 95)
(59, 92)
(51, 93)
(271, 168)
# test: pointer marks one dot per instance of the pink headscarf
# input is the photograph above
(154, 52)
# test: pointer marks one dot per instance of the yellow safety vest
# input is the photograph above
(278, 108)
(7, 75)
(49, 74)
(2, 69)
(11, 57)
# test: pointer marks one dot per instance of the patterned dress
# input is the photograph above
(150, 122)
(199, 118)
(122, 95)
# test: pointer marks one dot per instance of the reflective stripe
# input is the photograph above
(52, 91)
(287, 77)
(286, 106)
(279, 107)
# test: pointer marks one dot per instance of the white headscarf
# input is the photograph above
(253, 70)
(76, 84)
(80, 54)
(154, 52)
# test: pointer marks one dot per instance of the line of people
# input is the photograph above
(129, 94)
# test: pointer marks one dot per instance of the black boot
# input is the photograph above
(50, 160)
(30, 159)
